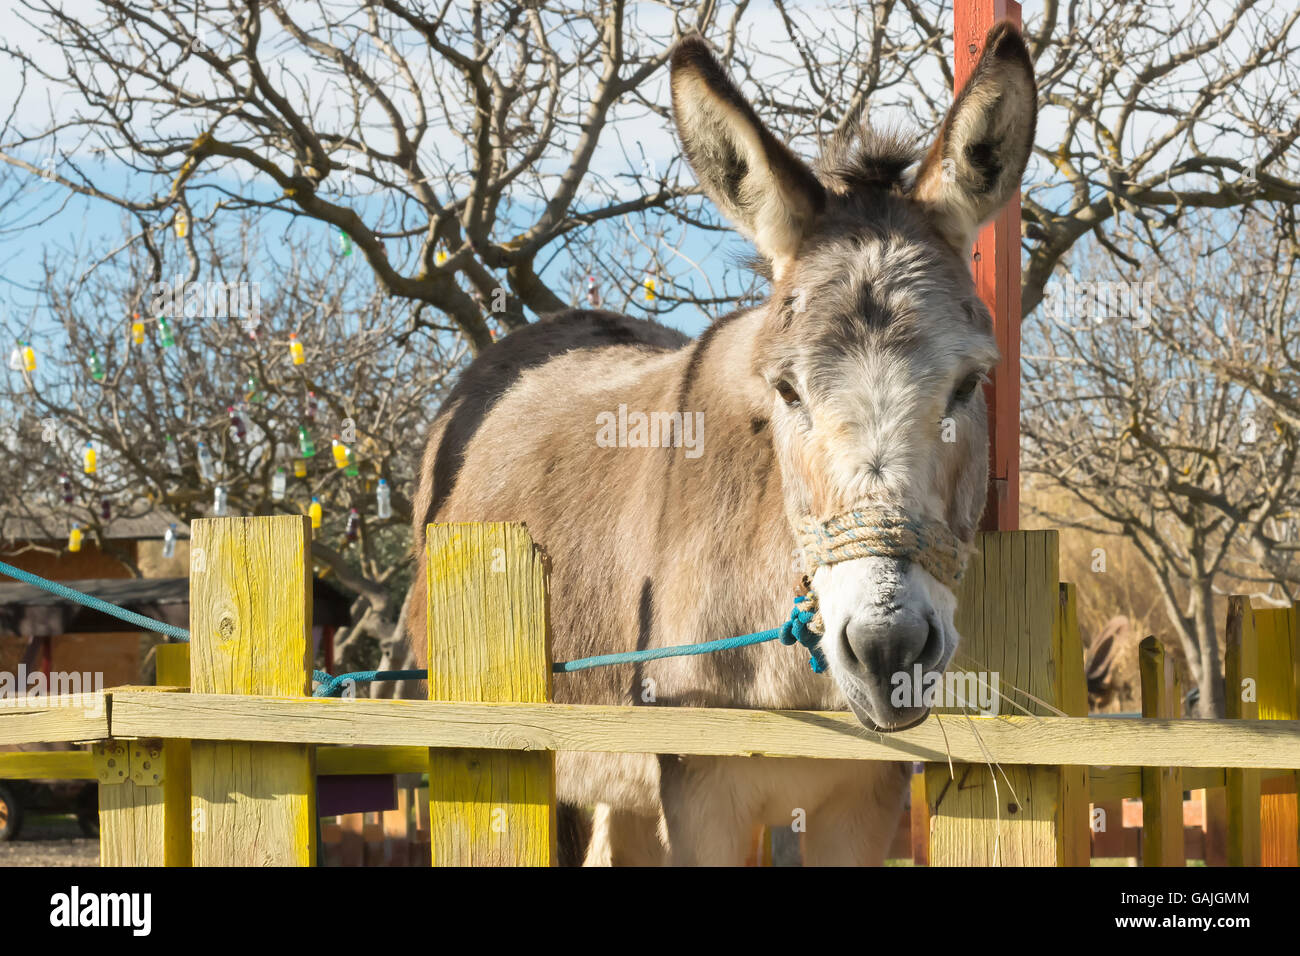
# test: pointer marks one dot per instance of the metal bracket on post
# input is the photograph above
(147, 763)
(111, 761)
(140, 761)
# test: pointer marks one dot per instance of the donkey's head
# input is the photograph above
(874, 344)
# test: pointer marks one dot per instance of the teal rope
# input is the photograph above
(794, 630)
(86, 600)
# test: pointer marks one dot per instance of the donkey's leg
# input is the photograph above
(707, 817)
(855, 824)
(623, 838)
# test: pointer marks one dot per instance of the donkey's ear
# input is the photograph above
(762, 187)
(975, 165)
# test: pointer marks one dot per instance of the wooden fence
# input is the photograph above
(218, 764)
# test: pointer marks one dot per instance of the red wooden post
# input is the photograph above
(995, 262)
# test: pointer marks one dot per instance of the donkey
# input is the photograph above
(857, 381)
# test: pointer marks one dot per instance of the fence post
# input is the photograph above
(489, 640)
(250, 633)
(1162, 787)
(1013, 624)
(1279, 663)
(144, 803)
(1241, 664)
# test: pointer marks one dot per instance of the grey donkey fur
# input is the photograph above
(835, 390)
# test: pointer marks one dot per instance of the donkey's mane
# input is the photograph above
(861, 158)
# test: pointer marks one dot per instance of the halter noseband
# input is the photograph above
(868, 531)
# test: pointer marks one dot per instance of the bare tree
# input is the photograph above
(463, 148)
(202, 404)
(1188, 465)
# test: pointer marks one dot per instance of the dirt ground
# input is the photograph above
(50, 841)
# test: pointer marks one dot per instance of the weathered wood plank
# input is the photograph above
(1090, 741)
(173, 669)
(489, 640)
(250, 626)
(1276, 632)
(1241, 702)
(69, 717)
(47, 765)
(1162, 787)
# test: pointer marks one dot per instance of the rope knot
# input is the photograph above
(804, 626)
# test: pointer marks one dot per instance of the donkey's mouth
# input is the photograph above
(909, 721)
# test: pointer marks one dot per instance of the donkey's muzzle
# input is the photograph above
(882, 650)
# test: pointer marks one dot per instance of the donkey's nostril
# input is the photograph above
(933, 650)
(885, 646)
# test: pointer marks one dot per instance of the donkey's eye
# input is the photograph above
(787, 393)
(963, 392)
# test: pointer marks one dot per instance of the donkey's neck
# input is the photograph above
(726, 507)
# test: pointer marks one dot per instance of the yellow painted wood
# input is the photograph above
(1012, 623)
(1278, 662)
(489, 640)
(1162, 787)
(1125, 783)
(67, 717)
(133, 813)
(173, 669)
(1074, 832)
(131, 817)
(1075, 741)
(1242, 785)
(250, 633)
(335, 761)
(47, 765)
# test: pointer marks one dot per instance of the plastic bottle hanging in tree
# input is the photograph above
(206, 470)
(305, 445)
(182, 224)
(340, 453)
(593, 294)
(295, 349)
(278, 482)
(219, 501)
(440, 256)
(65, 487)
(16, 357)
(649, 287)
(236, 424)
(169, 541)
(105, 508)
(383, 500)
(96, 366)
(165, 337)
(300, 468)
(345, 243)
(171, 455)
(89, 460)
(309, 407)
(137, 329)
(353, 525)
(253, 390)
(74, 539)
(315, 512)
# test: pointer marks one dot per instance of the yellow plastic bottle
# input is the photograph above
(89, 459)
(182, 224)
(295, 349)
(137, 330)
(29, 358)
(340, 453)
(300, 468)
(74, 539)
(315, 512)
(649, 288)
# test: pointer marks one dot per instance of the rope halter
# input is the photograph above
(868, 531)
